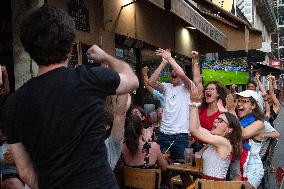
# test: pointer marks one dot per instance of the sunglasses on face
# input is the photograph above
(220, 120)
(243, 101)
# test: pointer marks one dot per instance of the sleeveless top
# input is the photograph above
(213, 164)
(145, 150)
(255, 147)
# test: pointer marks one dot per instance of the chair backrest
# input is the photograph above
(141, 178)
(211, 184)
(279, 177)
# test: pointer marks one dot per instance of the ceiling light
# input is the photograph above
(190, 27)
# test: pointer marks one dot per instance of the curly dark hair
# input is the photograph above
(221, 90)
(133, 130)
(235, 137)
(47, 34)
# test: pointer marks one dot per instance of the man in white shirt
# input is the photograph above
(175, 119)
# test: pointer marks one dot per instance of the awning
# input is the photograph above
(159, 3)
(187, 13)
(264, 69)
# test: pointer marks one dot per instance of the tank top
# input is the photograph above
(255, 147)
(213, 164)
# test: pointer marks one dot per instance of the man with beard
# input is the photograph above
(175, 120)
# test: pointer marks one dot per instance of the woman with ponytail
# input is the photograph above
(138, 151)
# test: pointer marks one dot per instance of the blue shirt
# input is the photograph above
(159, 96)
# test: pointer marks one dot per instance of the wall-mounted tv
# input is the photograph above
(226, 71)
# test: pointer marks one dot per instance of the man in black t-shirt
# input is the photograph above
(55, 120)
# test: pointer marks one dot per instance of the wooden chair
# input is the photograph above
(279, 177)
(141, 178)
(211, 184)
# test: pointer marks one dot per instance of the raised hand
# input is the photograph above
(194, 54)
(220, 106)
(231, 104)
(166, 54)
(195, 96)
(145, 70)
(257, 76)
(97, 54)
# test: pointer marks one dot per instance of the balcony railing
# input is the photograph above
(266, 10)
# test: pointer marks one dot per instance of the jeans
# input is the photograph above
(180, 142)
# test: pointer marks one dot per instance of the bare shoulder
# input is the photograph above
(155, 146)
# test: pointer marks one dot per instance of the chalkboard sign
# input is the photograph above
(79, 12)
(73, 60)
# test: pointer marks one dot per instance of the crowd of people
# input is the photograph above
(68, 127)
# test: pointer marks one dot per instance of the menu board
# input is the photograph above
(79, 12)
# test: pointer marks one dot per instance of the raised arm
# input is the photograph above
(261, 87)
(128, 79)
(166, 54)
(197, 79)
(146, 79)
(24, 165)
(276, 103)
(121, 104)
(153, 80)
(267, 106)
(195, 127)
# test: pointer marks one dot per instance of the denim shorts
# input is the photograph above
(254, 171)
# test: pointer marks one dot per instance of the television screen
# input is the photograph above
(227, 71)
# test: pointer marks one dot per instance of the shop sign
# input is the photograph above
(275, 63)
(159, 3)
(187, 13)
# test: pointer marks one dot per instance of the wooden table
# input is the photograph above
(185, 171)
(184, 168)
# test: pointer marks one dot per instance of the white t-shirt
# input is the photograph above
(176, 112)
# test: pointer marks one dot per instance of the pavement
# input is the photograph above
(279, 152)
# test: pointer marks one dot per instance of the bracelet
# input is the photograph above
(195, 104)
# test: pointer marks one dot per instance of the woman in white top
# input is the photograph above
(224, 140)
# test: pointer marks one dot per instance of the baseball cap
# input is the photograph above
(249, 93)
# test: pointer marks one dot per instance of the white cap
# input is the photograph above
(249, 93)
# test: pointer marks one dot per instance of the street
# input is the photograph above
(279, 152)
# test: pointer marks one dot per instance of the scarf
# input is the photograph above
(245, 121)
